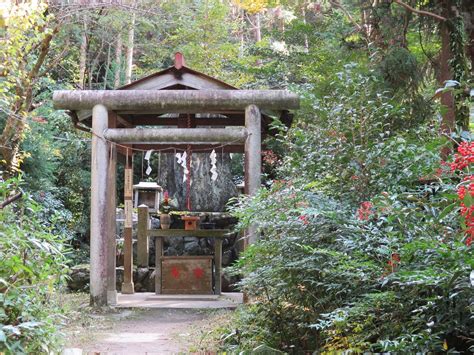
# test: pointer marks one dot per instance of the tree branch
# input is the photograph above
(10, 200)
(420, 12)
(338, 5)
(54, 62)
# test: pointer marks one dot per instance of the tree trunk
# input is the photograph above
(206, 195)
(303, 16)
(107, 67)
(445, 73)
(13, 132)
(83, 56)
(94, 64)
(257, 29)
(131, 35)
(10, 141)
(470, 47)
(388, 25)
(118, 60)
(468, 10)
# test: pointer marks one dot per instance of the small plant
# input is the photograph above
(33, 265)
(165, 205)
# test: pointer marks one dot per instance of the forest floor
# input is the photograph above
(141, 331)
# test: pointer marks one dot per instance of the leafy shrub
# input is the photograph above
(360, 141)
(321, 278)
(400, 69)
(32, 265)
(362, 245)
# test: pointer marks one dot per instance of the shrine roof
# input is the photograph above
(178, 76)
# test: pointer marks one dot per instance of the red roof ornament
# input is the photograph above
(178, 60)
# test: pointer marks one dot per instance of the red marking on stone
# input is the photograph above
(198, 272)
(175, 272)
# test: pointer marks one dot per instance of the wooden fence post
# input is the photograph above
(142, 236)
(127, 285)
(218, 264)
(158, 255)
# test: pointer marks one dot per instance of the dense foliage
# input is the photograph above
(33, 264)
(391, 275)
(366, 239)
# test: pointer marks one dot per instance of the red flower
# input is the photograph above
(304, 219)
(269, 157)
(365, 211)
(468, 241)
(393, 263)
(465, 156)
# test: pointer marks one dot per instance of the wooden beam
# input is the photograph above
(201, 148)
(180, 101)
(207, 233)
(176, 135)
(201, 121)
(123, 122)
(202, 113)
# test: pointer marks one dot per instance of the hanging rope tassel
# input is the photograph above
(148, 158)
(213, 157)
(188, 166)
(188, 180)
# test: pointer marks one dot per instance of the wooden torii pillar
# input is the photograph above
(102, 268)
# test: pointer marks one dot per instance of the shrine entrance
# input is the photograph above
(177, 108)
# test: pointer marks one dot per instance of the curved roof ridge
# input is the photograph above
(178, 70)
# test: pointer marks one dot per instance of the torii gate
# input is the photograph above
(116, 116)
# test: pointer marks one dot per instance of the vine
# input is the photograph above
(458, 63)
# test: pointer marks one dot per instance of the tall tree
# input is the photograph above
(28, 36)
(130, 45)
(118, 60)
(83, 55)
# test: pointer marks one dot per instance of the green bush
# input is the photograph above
(32, 266)
(321, 278)
(362, 247)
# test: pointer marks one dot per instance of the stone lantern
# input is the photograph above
(147, 193)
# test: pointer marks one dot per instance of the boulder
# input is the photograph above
(192, 248)
(228, 257)
(228, 282)
(79, 278)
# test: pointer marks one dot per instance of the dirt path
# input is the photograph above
(146, 331)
